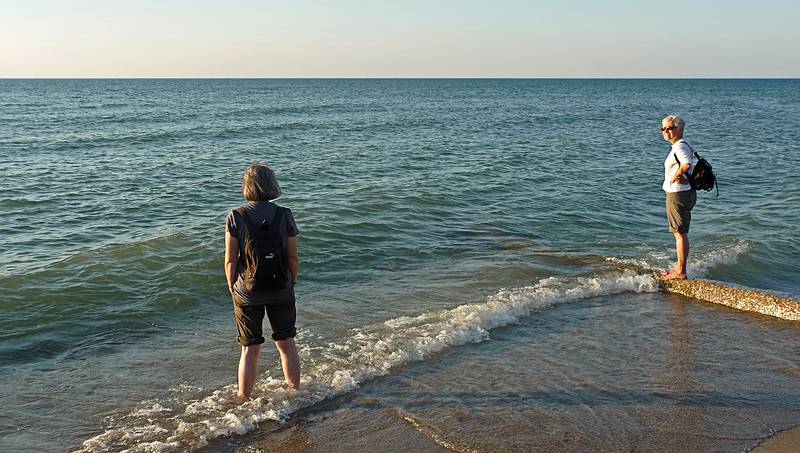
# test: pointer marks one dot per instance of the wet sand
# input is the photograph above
(632, 372)
(382, 430)
(784, 442)
(363, 429)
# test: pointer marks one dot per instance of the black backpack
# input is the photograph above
(702, 177)
(266, 264)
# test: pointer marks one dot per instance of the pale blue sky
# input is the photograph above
(302, 38)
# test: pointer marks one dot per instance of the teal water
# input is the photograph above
(432, 213)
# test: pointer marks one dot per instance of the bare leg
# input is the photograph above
(248, 367)
(290, 362)
(682, 250)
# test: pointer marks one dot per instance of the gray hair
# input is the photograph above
(259, 183)
(676, 121)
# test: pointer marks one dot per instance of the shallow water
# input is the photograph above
(449, 228)
(683, 377)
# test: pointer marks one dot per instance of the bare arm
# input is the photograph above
(680, 175)
(294, 260)
(231, 259)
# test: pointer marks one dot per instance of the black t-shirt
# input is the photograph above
(258, 211)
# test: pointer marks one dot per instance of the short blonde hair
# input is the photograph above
(259, 183)
(676, 121)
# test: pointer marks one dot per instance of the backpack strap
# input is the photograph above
(251, 225)
(690, 149)
(274, 224)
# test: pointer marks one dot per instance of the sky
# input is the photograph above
(408, 38)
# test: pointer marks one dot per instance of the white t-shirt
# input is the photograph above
(685, 154)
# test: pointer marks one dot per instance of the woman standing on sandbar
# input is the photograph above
(261, 266)
(681, 197)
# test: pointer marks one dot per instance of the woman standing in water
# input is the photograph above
(681, 197)
(249, 231)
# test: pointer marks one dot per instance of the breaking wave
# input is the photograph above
(191, 417)
(185, 422)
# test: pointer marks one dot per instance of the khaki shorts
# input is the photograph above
(679, 210)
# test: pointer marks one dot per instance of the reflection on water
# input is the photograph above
(678, 375)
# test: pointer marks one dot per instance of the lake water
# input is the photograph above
(476, 264)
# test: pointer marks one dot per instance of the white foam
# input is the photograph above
(725, 255)
(699, 263)
(337, 368)
(629, 262)
(150, 410)
(153, 447)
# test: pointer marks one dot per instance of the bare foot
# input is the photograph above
(673, 275)
(240, 399)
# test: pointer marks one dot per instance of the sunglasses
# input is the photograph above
(665, 129)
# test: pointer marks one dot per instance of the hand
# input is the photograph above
(680, 180)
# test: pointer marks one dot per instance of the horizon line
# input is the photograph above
(406, 78)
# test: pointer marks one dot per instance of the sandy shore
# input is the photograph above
(361, 429)
(784, 442)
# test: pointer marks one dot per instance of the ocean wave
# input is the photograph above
(72, 141)
(148, 277)
(331, 369)
(722, 293)
(728, 255)
(261, 111)
(699, 264)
